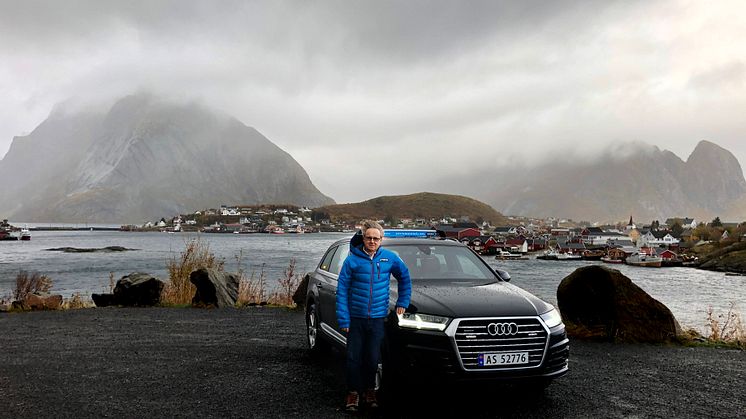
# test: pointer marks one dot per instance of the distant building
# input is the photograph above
(459, 232)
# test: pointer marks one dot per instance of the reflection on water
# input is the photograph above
(687, 292)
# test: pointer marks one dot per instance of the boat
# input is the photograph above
(548, 255)
(555, 255)
(8, 232)
(607, 259)
(593, 254)
(641, 259)
(568, 256)
(505, 255)
(25, 234)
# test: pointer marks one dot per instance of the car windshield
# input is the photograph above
(433, 261)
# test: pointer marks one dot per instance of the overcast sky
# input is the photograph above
(378, 97)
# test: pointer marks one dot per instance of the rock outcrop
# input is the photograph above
(601, 303)
(214, 288)
(728, 259)
(133, 290)
(299, 296)
(39, 301)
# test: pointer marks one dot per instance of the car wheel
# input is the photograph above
(316, 343)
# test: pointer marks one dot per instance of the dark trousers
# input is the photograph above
(363, 353)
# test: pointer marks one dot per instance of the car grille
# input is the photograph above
(473, 339)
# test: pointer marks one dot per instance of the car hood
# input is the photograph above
(472, 299)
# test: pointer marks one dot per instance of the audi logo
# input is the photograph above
(502, 329)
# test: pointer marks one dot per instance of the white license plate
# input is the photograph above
(510, 358)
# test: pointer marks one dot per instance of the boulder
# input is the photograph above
(299, 297)
(138, 289)
(598, 302)
(214, 288)
(39, 301)
(103, 300)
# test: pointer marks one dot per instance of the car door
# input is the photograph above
(334, 268)
(326, 285)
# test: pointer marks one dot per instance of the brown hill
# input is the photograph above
(425, 205)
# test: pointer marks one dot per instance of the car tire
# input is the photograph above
(316, 343)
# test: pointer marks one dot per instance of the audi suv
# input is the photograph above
(465, 320)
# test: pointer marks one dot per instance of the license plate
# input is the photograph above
(509, 358)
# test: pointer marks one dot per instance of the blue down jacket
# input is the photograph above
(363, 284)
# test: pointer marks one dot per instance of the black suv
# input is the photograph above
(465, 321)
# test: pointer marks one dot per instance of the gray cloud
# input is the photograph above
(416, 82)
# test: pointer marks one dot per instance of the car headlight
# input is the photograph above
(423, 321)
(552, 318)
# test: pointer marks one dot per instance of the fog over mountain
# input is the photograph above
(630, 179)
(143, 159)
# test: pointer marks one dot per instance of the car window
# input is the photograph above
(433, 261)
(326, 261)
(339, 258)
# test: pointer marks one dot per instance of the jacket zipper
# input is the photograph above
(372, 273)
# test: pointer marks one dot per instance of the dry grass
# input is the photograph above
(30, 283)
(76, 302)
(251, 290)
(727, 328)
(179, 290)
(286, 286)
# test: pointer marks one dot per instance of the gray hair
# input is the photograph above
(372, 224)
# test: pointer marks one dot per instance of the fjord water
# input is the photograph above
(687, 292)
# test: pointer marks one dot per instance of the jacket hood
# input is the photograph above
(468, 299)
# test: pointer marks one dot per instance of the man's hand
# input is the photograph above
(399, 311)
(346, 329)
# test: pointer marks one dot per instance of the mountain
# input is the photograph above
(143, 159)
(644, 181)
(425, 205)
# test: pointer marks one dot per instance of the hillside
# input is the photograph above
(645, 182)
(425, 205)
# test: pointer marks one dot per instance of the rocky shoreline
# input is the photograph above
(728, 259)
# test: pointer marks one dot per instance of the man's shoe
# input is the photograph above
(370, 398)
(352, 402)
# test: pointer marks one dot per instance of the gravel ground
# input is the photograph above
(253, 363)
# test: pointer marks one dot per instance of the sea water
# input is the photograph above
(688, 292)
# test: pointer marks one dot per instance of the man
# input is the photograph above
(362, 306)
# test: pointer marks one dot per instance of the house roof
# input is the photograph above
(503, 229)
(463, 225)
(447, 228)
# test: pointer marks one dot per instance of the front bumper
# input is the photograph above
(444, 355)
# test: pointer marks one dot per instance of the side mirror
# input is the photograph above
(504, 275)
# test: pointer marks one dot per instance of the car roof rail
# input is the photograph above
(399, 233)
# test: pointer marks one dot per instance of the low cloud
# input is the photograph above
(424, 87)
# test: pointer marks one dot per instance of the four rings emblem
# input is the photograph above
(502, 329)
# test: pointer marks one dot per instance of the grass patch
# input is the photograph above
(179, 290)
(287, 284)
(725, 330)
(30, 283)
(251, 290)
(76, 302)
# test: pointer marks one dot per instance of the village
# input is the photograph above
(653, 245)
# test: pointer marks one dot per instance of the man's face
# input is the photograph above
(372, 239)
